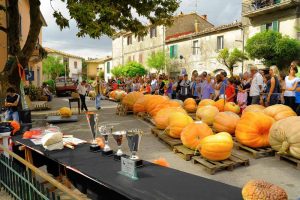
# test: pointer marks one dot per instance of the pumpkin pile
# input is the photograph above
(140, 104)
(176, 123)
(162, 117)
(226, 122)
(65, 112)
(279, 111)
(207, 114)
(130, 99)
(190, 105)
(117, 95)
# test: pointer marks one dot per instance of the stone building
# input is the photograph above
(94, 66)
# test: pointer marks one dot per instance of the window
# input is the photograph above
(153, 32)
(133, 58)
(196, 47)
(220, 42)
(140, 38)
(75, 64)
(141, 58)
(129, 40)
(129, 58)
(108, 67)
(270, 26)
(173, 51)
(65, 60)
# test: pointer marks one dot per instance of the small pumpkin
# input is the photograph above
(253, 129)
(177, 122)
(279, 111)
(207, 114)
(16, 126)
(190, 105)
(162, 162)
(285, 136)
(259, 189)
(216, 147)
(232, 107)
(130, 99)
(226, 122)
(254, 108)
(206, 102)
(193, 133)
(162, 117)
(220, 104)
(65, 112)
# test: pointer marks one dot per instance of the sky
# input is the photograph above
(218, 11)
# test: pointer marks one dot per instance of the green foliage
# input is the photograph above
(84, 70)
(101, 74)
(32, 91)
(53, 67)
(131, 69)
(157, 61)
(117, 71)
(95, 18)
(273, 48)
(230, 59)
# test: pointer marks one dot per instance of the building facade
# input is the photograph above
(94, 66)
(73, 62)
(35, 63)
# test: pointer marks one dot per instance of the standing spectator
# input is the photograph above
(180, 78)
(207, 89)
(195, 88)
(256, 85)
(161, 86)
(170, 88)
(153, 84)
(217, 86)
(282, 87)
(81, 89)
(230, 90)
(291, 83)
(223, 75)
(241, 96)
(46, 92)
(297, 95)
(98, 88)
(273, 87)
(184, 88)
(246, 84)
(12, 104)
(263, 97)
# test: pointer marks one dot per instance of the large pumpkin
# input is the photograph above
(162, 117)
(279, 111)
(192, 135)
(216, 147)
(140, 104)
(177, 122)
(232, 107)
(153, 101)
(117, 94)
(190, 105)
(226, 122)
(130, 99)
(206, 102)
(207, 114)
(65, 112)
(173, 103)
(220, 104)
(253, 129)
(259, 189)
(254, 108)
(285, 136)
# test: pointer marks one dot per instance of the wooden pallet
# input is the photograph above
(256, 152)
(184, 152)
(113, 100)
(140, 114)
(155, 131)
(289, 159)
(148, 119)
(123, 110)
(230, 164)
(171, 142)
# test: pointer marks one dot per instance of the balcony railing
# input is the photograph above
(252, 8)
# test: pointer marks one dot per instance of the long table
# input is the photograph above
(155, 182)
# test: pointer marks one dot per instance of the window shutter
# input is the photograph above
(275, 25)
(171, 51)
(175, 50)
(277, 1)
(263, 28)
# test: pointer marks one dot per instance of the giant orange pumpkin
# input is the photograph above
(192, 135)
(140, 104)
(253, 129)
(220, 104)
(153, 101)
(130, 99)
(161, 119)
(259, 189)
(190, 105)
(177, 122)
(226, 122)
(279, 111)
(173, 103)
(254, 108)
(216, 147)
(206, 102)
(232, 107)
(207, 114)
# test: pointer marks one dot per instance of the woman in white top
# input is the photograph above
(291, 82)
(217, 86)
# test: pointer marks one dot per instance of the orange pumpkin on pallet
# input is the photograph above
(216, 147)
(192, 135)
(130, 99)
(226, 122)
(162, 117)
(140, 104)
(232, 107)
(154, 101)
(206, 102)
(254, 108)
(207, 114)
(177, 122)
(190, 105)
(220, 104)
(253, 128)
(279, 111)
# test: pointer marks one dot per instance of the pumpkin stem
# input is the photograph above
(284, 148)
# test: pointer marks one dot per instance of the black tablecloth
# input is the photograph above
(154, 182)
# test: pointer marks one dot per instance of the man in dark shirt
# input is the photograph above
(161, 86)
(12, 103)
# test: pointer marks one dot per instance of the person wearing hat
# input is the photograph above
(256, 85)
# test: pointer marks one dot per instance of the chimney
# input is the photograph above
(196, 26)
(204, 17)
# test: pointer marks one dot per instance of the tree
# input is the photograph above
(133, 69)
(230, 59)
(93, 18)
(273, 48)
(117, 71)
(84, 70)
(157, 61)
(53, 67)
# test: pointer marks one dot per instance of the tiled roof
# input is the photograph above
(99, 60)
(49, 50)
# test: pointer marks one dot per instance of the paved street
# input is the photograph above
(269, 169)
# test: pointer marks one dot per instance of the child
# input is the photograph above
(241, 96)
(230, 91)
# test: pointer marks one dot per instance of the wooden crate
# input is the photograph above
(185, 152)
(230, 164)
(171, 142)
(289, 159)
(256, 152)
